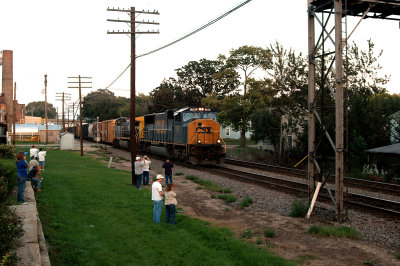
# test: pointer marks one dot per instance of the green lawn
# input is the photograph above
(237, 142)
(92, 215)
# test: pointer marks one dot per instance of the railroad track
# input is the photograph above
(385, 188)
(351, 200)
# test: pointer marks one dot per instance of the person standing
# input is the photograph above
(146, 170)
(168, 170)
(156, 197)
(42, 157)
(22, 175)
(32, 163)
(170, 204)
(33, 152)
(139, 163)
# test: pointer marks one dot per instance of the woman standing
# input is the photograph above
(170, 204)
(21, 174)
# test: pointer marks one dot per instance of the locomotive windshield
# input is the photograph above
(197, 115)
(210, 115)
(188, 116)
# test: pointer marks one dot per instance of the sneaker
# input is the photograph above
(24, 203)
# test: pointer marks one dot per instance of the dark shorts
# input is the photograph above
(41, 163)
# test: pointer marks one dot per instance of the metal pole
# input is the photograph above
(80, 114)
(45, 108)
(133, 97)
(63, 116)
(339, 110)
(311, 99)
(14, 116)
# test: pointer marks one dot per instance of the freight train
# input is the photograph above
(187, 134)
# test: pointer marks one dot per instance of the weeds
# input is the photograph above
(208, 184)
(369, 262)
(269, 233)
(179, 173)
(397, 255)
(299, 208)
(227, 198)
(304, 258)
(333, 231)
(247, 201)
(259, 241)
(247, 234)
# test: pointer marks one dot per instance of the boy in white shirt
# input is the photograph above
(42, 155)
(146, 170)
(33, 152)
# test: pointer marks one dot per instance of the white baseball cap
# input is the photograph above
(137, 158)
(160, 177)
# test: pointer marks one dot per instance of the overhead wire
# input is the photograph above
(183, 37)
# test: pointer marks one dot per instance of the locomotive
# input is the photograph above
(187, 134)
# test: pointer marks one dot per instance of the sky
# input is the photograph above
(69, 38)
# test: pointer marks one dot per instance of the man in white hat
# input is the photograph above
(156, 197)
(139, 163)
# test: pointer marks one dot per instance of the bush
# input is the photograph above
(7, 152)
(10, 231)
(299, 208)
(179, 173)
(228, 198)
(246, 202)
(269, 233)
(247, 234)
(7, 178)
(328, 231)
(259, 241)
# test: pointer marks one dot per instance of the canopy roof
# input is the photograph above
(389, 149)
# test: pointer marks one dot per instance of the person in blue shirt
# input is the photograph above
(21, 174)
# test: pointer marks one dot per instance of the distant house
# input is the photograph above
(394, 124)
(53, 131)
(229, 133)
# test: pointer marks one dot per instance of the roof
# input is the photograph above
(50, 127)
(387, 9)
(389, 149)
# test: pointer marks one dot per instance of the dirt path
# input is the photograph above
(292, 240)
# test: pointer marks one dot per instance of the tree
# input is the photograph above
(168, 95)
(143, 104)
(37, 109)
(265, 126)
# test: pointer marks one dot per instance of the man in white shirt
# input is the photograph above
(146, 170)
(33, 152)
(156, 197)
(42, 155)
(139, 163)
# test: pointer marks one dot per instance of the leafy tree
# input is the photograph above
(265, 126)
(143, 104)
(168, 95)
(37, 109)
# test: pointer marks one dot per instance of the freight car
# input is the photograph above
(188, 134)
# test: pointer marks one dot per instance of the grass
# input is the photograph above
(247, 234)
(237, 142)
(259, 241)
(92, 215)
(304, 258)
(208, 184)
(369, 262)
(269, 233)
(334, 231)
(299, 208)
(227, 198)
(247, 201)
(397, 255)
(179, 173)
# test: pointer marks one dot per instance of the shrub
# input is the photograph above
(7, 178)
(269, 233)
(179, 173)
(259, 241)
(299, 208)
(10, 231)
(334, 231)
(231, 198)
(7, 152)
(247, 201)
(247, 234)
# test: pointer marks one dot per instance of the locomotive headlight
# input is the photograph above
(219, 141)
(199, 141)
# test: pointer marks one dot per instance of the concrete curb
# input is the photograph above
(33, 248)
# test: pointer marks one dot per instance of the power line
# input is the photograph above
(184, 37)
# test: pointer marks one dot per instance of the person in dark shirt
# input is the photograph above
(168, 170)
(37, 181)
(21, 174)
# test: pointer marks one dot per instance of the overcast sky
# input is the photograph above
(69, 38)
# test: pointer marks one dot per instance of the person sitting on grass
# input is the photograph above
(170, 203)
(21, 174)
(32, 163)
(37, 181)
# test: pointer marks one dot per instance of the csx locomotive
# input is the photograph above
(187, 134)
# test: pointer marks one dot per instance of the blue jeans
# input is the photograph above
(170, 213)
(36, 182)
(166, 178)
(146, 175)
(21, 188)
(157, 210)
(138, 180)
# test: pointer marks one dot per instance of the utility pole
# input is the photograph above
(63, 96)
(132, 13)
(57, 115)
(73, 116)
(45, 108)
(79, 82)
(14, 116)
(67, 117)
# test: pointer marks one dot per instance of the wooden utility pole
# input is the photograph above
(67, 118)
(63, 96)
(57, 115)
(80, 82)
(45, 108)
(73, 117)
(132, 12)
(14, 115)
